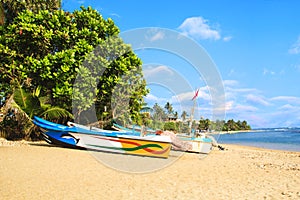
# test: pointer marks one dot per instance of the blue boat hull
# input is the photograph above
(51, 126)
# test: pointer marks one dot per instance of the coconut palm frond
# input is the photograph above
(56, 113)
(28, 102)
(146, 109)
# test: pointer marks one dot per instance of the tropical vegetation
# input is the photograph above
(61, 65)
(159, 120)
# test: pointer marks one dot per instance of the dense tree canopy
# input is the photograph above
(229, 125)
(53, 50)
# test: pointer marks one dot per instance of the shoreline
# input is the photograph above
(36, 170)
(233, 132)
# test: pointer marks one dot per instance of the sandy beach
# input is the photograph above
(39, 171)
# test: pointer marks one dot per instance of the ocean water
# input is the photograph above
(279, 139)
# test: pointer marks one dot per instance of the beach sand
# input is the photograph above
(39, 171)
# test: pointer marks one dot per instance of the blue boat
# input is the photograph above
(83, 137)
(76, 135)
(77, 128)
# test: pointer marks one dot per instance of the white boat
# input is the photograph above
(104, 140)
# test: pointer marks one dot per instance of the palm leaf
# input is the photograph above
(27, 102)
(56, 113)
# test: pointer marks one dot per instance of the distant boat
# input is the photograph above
(199, 144)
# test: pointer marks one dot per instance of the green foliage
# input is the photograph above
(159, 121)
(51, 113)
(183, 127)
(159, 113)
(230, 125)
(171, 126)
(204, 124)
(9, 9)
(28, 102)
(50, 49)
(18, 124)
(157, 125)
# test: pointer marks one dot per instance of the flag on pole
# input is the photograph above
(196, 95)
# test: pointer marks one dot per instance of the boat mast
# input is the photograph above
(192, 111)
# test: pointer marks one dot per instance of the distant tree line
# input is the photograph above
(159, 119)
(222, 125)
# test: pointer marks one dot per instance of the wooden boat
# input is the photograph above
(82, 137)
(199, 144)
(186, 143)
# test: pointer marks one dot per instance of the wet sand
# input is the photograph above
(40, 171)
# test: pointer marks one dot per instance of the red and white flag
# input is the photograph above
(196, 94)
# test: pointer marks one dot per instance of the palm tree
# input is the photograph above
(20, 109)
(184, 115)
(231, 125)
(176, 115)
(158, 113)
(169, 108)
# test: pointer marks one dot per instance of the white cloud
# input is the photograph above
(289, 99)
(245, 90)
(288, 107)
(286, 115)
(154, 34)
(257, 99)
(233, 107)
(157, 36)
(258, 121)
(198, 27)
(227, 38)
(295, 49)
(187, 96)
(245, 108)
(159, 70)
(229, 105)
(151, 99)
(242, 99)
(234, 87)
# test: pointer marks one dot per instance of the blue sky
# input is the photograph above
(254, 44)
